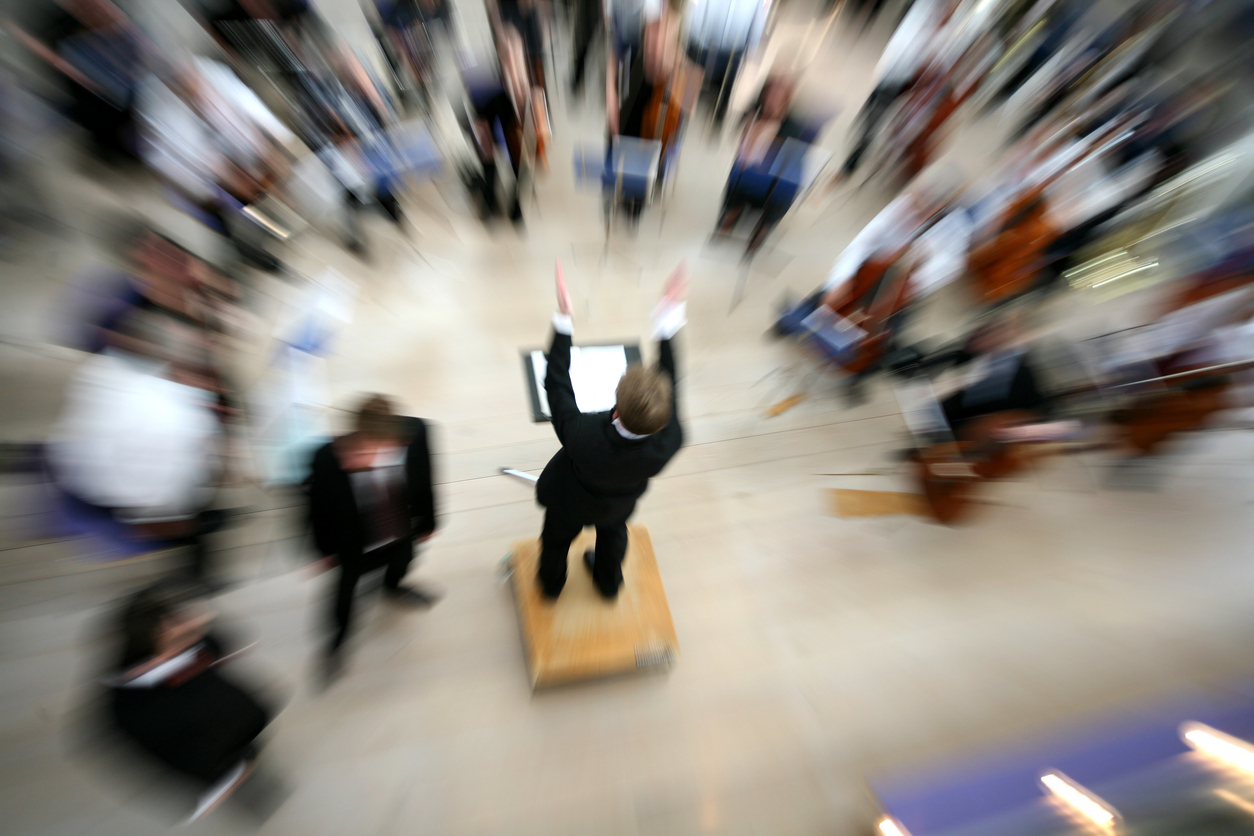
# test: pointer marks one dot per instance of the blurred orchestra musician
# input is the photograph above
(660, 88)
(755, 181)
(139, 441)
(169, 700)
(100, 58)
(915, 245)
(371, 501)
(509, 104)
(721, 34)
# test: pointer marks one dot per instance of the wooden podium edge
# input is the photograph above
(642, 659)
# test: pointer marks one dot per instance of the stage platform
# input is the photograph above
(582, 636)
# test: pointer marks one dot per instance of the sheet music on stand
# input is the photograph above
(594, 372)
(835, 332)
(921, 410)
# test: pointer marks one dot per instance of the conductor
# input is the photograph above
(607, 458)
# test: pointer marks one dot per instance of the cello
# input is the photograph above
(664, 112)
(1009, 262)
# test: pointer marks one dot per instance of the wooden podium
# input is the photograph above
(582, 636)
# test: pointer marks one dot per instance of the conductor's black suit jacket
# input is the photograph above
(598, 474)
(338, 527)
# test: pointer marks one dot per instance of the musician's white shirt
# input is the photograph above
(940, 252)
(892, 227)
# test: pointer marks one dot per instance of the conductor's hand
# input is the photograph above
(676, 289)
(563, 295)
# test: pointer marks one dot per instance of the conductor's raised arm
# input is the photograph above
(668, 318)
(563, 408)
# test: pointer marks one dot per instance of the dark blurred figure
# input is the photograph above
(659, 92)
(507, 106)
(867, 10)
(720, 35)
(169, 701)
(371, 500)
(905, 59)
(589, 23)
(24, 127)
(256, 29)
(217, 146)
(1055, 26)
(407, 31)
(1121, 51)
(526, 18)
(758, 179)
(99, 57)
(1004, 376)
(624, 28)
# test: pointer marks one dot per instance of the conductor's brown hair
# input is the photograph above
(376, 419)
(645, 400)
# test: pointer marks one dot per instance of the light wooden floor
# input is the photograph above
(817, 650)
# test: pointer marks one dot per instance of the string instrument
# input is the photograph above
(868, 300)
(879, 290)
(1211, 283)
(1191, 395)
(1008, 263)
(950, 473)
(664, 112)
(892, 296)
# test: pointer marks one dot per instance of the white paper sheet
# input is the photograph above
(921, 409)
(594, 373)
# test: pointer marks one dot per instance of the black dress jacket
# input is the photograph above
(598, 472)
(338, 526)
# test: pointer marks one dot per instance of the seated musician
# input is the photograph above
(216, 145)
(1005, 378)
(660, 91)
(513, 106)
(750, 185)
(170, 703)
(915, 245)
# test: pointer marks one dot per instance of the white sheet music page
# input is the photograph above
(594, 372)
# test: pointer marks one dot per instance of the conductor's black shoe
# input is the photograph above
(550, 595)
(590, 560)
(411, 596)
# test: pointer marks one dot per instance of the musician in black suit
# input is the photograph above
(168, 700)
(371, 499)
(1007, 377)
(607, 458)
